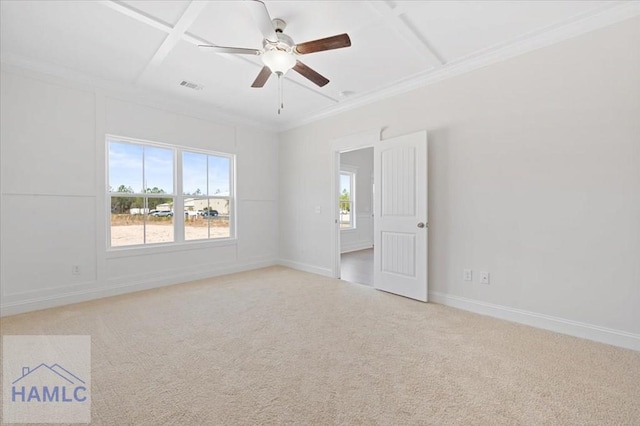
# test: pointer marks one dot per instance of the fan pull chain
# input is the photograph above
(280, 100)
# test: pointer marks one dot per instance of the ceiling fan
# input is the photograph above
(279, 52)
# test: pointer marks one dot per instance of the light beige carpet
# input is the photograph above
(277, 346)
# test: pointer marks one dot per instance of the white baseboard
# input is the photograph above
(306, 267)
(359, 245)
(560, 325)
(123, 286)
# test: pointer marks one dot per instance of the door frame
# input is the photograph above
(354, 142)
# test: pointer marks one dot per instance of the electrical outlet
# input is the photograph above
(467, 275)
(75, 270)
(484, 277)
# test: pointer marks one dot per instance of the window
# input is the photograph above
(140, 184)
(167, 194)
(347, 200)
(207, 189)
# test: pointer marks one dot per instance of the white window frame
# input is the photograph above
(178, 197)
(352, 172)
(231, 197)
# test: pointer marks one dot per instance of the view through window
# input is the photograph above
(149, 199)
(347, 197)
(207, 201)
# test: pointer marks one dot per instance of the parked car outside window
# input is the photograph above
(162, 214)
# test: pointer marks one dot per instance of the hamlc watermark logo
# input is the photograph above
(46, 379)
(69, 387)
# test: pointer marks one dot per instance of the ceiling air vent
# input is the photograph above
(191, 85)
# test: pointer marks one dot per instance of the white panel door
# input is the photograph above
(400, 255)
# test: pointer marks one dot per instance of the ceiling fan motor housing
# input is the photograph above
(284, 43)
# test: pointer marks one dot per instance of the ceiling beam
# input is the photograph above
(136, 14)
(176, 34)
(393, 15)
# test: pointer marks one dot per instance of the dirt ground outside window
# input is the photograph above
(129, 230)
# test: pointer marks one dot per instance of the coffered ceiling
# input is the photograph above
(396, 45)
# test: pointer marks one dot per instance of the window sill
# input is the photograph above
(128, 251)
(347, 230)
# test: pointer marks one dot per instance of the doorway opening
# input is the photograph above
(356, 206)
(397, 212)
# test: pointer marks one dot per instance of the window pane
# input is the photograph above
(345, 187)
(127, 221)
(159, 226)
(345, 220)
(158, 170)
(125, 167)
(218, 218)
(346, 215)
(219, 175)
(194, 173)
(196, 225)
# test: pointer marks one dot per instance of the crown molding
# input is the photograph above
(606, 15)
(55, 74)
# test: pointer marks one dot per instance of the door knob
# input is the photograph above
(421, 225)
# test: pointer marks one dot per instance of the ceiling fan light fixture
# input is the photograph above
(278, 61)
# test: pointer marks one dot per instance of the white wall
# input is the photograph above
(53, 203)
(534, 176)
(362, 236)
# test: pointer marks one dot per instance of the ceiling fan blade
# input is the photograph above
(223, 49)
(329, 43)
(262, 19)
(309, 73)
(262, 77)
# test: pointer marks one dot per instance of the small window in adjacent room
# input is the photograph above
(347, 200)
